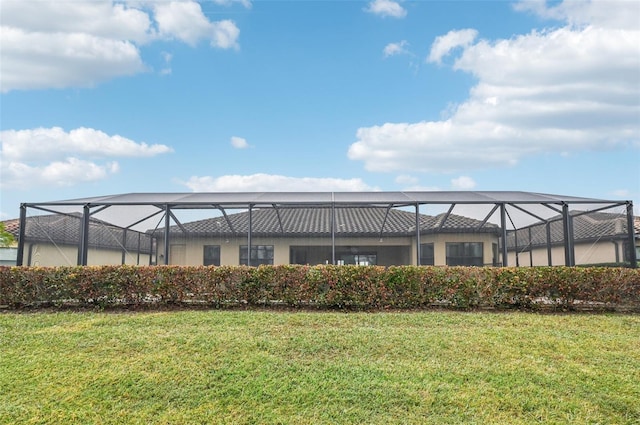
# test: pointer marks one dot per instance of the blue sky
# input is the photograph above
(106, 97)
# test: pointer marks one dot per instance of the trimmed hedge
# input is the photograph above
(343, 287)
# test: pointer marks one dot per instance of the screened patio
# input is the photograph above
(384, 228)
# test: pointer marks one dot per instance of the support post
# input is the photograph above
(333, 233)
(418, 234)
(84, 237)
(249, 236)
(549, 256)
(530, 249)
(569, 255)
(124, 247)
(503, 224)
(167, 222)
(517, 247)
(22, 231)
(633, 259)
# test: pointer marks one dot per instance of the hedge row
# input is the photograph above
(347, 287)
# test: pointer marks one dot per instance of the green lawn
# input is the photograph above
(313, 368)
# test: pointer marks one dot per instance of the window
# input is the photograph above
(211, 255)
(260, 254)
(465, 254)
(426, 254)
(298, 255)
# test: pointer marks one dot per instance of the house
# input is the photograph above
(9, 253)
(598, 238)
(363, 235)
(255, 228)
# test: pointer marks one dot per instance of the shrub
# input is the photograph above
(342, 287)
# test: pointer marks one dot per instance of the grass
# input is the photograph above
(246, 367)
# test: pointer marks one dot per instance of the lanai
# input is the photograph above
(130, 210)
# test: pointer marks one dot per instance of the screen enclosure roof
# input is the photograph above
(241, 199)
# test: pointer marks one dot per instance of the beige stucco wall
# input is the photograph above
(440, 240)
(50, 255)
(230, 249)
(591, 253)
(190, 251)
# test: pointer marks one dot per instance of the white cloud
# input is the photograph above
(173, 20)
(52, 155)
(272, 183)
(604, 14)
(225, 35)
(17, 175)
(53, 44)
(444, 44)
(98, 18)
(245, 3)
(463, 183)
(186, 22)
(386, 8)
(55, 143)
(239, 142)
(392, 49)
(35, 60)
(562, 90)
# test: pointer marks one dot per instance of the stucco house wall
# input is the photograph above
(304, 236)
(600, 238)
(42, 254)
(440, 241)
(605, 252)
(390, 251)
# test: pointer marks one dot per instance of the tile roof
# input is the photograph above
(361, 221)
(587, 227)
(12, 226)
(65, 230)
